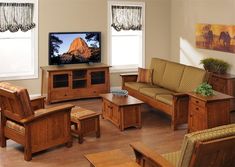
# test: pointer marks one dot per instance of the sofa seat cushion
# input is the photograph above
(172, 157)
(138, 85)
(192, 77)
(204, 135)
(152, 92)
(165, 98)
(16, 127)
(172, 76)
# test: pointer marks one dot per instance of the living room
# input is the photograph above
(169, 34)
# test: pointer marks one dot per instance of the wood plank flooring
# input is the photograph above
(155, 132)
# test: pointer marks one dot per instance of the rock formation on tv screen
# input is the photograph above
(79, 48)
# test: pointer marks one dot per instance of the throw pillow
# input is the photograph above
(145, 75)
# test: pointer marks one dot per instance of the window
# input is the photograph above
(19, 50)
(126, 47)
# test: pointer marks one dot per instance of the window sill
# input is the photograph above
(14, 78)
(122, 69)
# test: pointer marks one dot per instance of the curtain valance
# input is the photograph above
(15, 16)
(126, 18)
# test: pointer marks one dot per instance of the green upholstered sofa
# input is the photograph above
(168, 92)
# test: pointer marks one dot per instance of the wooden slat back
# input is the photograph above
(214, 153)
(15, 102)
(10, 105)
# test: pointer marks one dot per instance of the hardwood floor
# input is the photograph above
(156, 133)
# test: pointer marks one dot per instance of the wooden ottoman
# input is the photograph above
(85, 122)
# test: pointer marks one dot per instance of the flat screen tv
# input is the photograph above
(74, 47)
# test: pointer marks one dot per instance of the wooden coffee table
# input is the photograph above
(122, 111)
(113, 158)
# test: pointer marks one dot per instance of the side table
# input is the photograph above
(208, 111)
(224, 83)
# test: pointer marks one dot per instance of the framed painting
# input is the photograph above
(215, 37)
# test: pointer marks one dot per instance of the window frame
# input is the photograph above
(116, 69)
(34, 42)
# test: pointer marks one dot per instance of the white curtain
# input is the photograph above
(16, 16)
(126, 18)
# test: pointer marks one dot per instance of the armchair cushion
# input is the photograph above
(172, 157)
(22, 94)
(205, 135)
(16, 127)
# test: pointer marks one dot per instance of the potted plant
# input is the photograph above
(204, 89)
(215, 65)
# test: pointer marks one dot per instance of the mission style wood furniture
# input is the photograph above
(85, 122)
(208, 111)
(168, 91)
(74, 81)
(122, 111)
(28, 123)
(113, 158)
(224, 83)
(211, 147)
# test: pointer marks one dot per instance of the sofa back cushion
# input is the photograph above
(172, 76)
(192, 77)
(158, 66)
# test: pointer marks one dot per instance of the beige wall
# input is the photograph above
(184, 15)
(91, 15)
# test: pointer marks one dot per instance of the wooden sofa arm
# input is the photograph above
(180, 94)
(128, 77)
(45, 112)
(37, 102)
(145, 155)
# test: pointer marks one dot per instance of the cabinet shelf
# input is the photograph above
(79, 84)
(79, 79)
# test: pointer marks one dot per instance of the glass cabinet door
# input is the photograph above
(60, 80)
(97, 77)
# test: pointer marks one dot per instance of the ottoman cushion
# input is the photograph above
(78, 113)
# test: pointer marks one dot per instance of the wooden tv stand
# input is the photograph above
(75, 81)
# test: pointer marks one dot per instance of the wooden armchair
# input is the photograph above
(28, 123)
(209, 148)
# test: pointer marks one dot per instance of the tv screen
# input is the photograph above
(74, 47)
